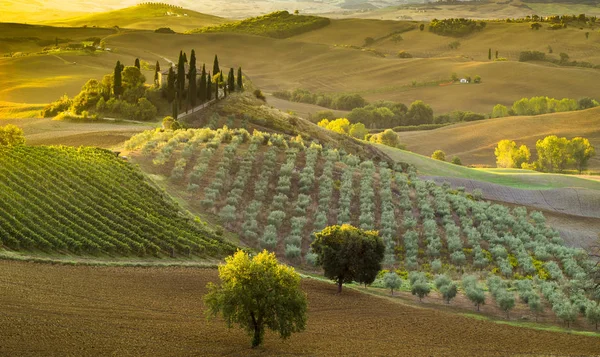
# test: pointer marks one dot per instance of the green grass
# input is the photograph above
(280, 24)
(531, 325)
(523, 179)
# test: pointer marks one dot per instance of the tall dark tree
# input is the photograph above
(231, 81)
(180, 77)
(348, 254)
(192, 90)
(240, 81)
(496, 54)
(202, 85)
(137, 63)
(490, 54)
(217, 80)
(156, 71)
(216, 68)
(171, 90)
(208, 87)
(185, 58)
(175, 113)
(117, 84)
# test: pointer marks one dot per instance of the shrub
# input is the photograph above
(456, 160)
(439, 155)
(164, 30)
(259, 95)
(404, 54)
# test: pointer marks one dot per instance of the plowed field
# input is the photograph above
(83, 311)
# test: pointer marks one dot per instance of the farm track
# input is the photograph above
(62, 310)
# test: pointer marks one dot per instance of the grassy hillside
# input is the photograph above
(280, 24)
(88, 201)
(525, 179)
(146, 17)
(474, 142)
(117, 310)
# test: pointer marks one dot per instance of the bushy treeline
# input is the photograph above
(279, 24)
(554, 154)
(526, 56)
(557, 19)
(332, 101)
(543, 105)
(455, 27)
(122, 94)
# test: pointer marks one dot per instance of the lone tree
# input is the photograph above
(258, 293)
(490, 54)
(439, 155)
(117, 84)
(137, 63)
(581, 151)
(11, 135)
(240, 80)
(348, 254)
(231, 81)
(392, 281)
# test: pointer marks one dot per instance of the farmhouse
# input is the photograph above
(464, 80)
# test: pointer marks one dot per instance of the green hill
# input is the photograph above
(145, 17)
(280, 24)
(87, 201)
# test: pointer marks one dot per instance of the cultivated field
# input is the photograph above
(149, 311)
(474, 142)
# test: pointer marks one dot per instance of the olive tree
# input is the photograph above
(348, 254)
(473, 290)
(11, 135)
(392, 281)
(258, 293)
(419, 285)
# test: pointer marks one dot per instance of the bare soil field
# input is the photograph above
(67, 310)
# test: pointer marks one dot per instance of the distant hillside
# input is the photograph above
(280, 24)
(88, 201)
(146, 17)
(474, 142)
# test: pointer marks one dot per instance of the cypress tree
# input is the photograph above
(171, 85)
(208, 87)
(231, 81)
(490, 54)
(216, 68)
(192, 90)
(118, 85)
(202, 85)
(180, 77)
(137, 63)
(496, 54)
(175, 110)
(240, 82)
(185, 58)
(156, 71)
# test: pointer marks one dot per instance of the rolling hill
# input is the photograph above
(145, 17)
(86, 201)
(474, 142)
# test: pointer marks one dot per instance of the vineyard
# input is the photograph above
(88, 201)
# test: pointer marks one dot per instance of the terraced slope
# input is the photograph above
(88, 201)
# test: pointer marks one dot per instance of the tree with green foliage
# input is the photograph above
(202, 85)
(509, 156)
(156, 72)
(169, 123)
(420, 287)
(216, 68)
(473, 290)
(175, 108)
(117, 82)
(192, 89)
(11, 135)
(456, 160)
(137, 63)
(499, 111)
(422, 27)
(553, 153)
(231, 81)
(392, 281)
(388, 138)
(446, 287)
(419, 113)
(208, 87)
(592, 313)
(258, 293)
(581, 152)
(181, 77)
(566, 311)
(496, 54)
(490, 54)
(348, 254)
(505, 301)
(171, 90)
(439, 155)
(535, 305)
(240, 80)
(358, 131)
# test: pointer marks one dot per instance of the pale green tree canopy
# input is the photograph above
(11, 135)
(258, 293)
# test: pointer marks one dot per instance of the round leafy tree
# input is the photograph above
(348, 254)
(256, 293)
